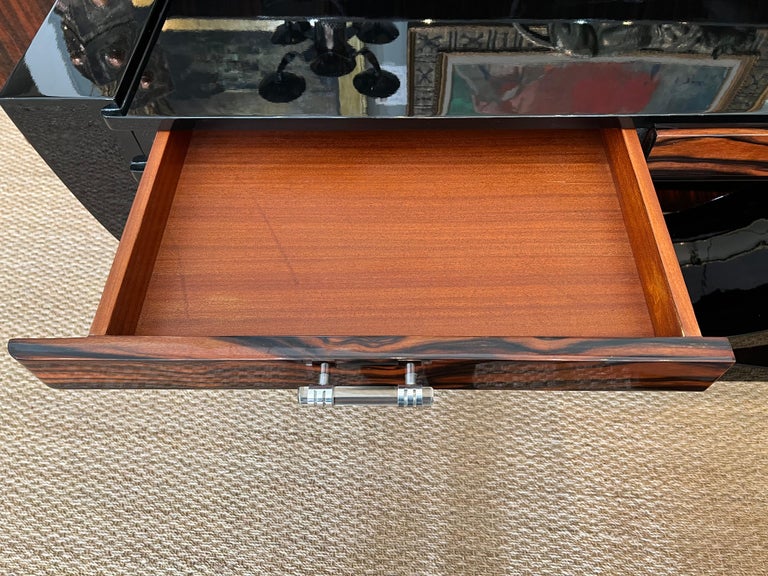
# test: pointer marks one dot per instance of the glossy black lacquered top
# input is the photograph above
(749, 12)
(347, 59)
(374, 59)
(84, 49)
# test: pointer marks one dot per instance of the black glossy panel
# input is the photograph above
(722, 247)
(82, 50)
(92, 160)
(224, 68)
(206, 65)
(715, 11)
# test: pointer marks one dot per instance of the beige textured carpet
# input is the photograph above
(246, 483)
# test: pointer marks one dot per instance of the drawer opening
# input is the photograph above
(447, 234)
(492, 259)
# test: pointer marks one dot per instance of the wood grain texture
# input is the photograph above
(244, 362)
(665, 291)
(709, 154)
(126, 286)
(466, 233)
(19, 21)
(469, 237)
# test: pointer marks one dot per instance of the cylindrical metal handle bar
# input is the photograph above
(402, 396)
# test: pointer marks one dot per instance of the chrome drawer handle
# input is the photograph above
(401, 396)
(408, 395)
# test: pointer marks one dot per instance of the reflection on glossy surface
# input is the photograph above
(375, 82)
(331, 54)
(81, 50)
(282, 86)
(291, 33)
(233, 72)
(203, 66)
(587, 68)
(722, 247)
(376, 32)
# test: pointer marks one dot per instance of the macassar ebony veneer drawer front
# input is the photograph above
(273, 362)
(488, 259)
(707, 154)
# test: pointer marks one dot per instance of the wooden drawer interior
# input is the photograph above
(469, 233)
(491, 259)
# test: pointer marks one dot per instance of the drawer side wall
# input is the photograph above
(124, 293)
(662, 281)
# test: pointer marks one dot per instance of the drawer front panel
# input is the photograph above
(501, 363)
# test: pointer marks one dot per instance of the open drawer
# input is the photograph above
(486, 259)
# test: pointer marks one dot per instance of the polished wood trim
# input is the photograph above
(709, 154)
(123, 295)
(19, 22)
(665, 291)
(286, 362)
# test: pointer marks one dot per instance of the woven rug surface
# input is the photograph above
(245, 482)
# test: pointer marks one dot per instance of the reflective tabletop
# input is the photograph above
(495, 59)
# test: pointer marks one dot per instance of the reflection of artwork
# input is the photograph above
(100, 38)
(428, 43)
(744, 49)
(545, 84)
